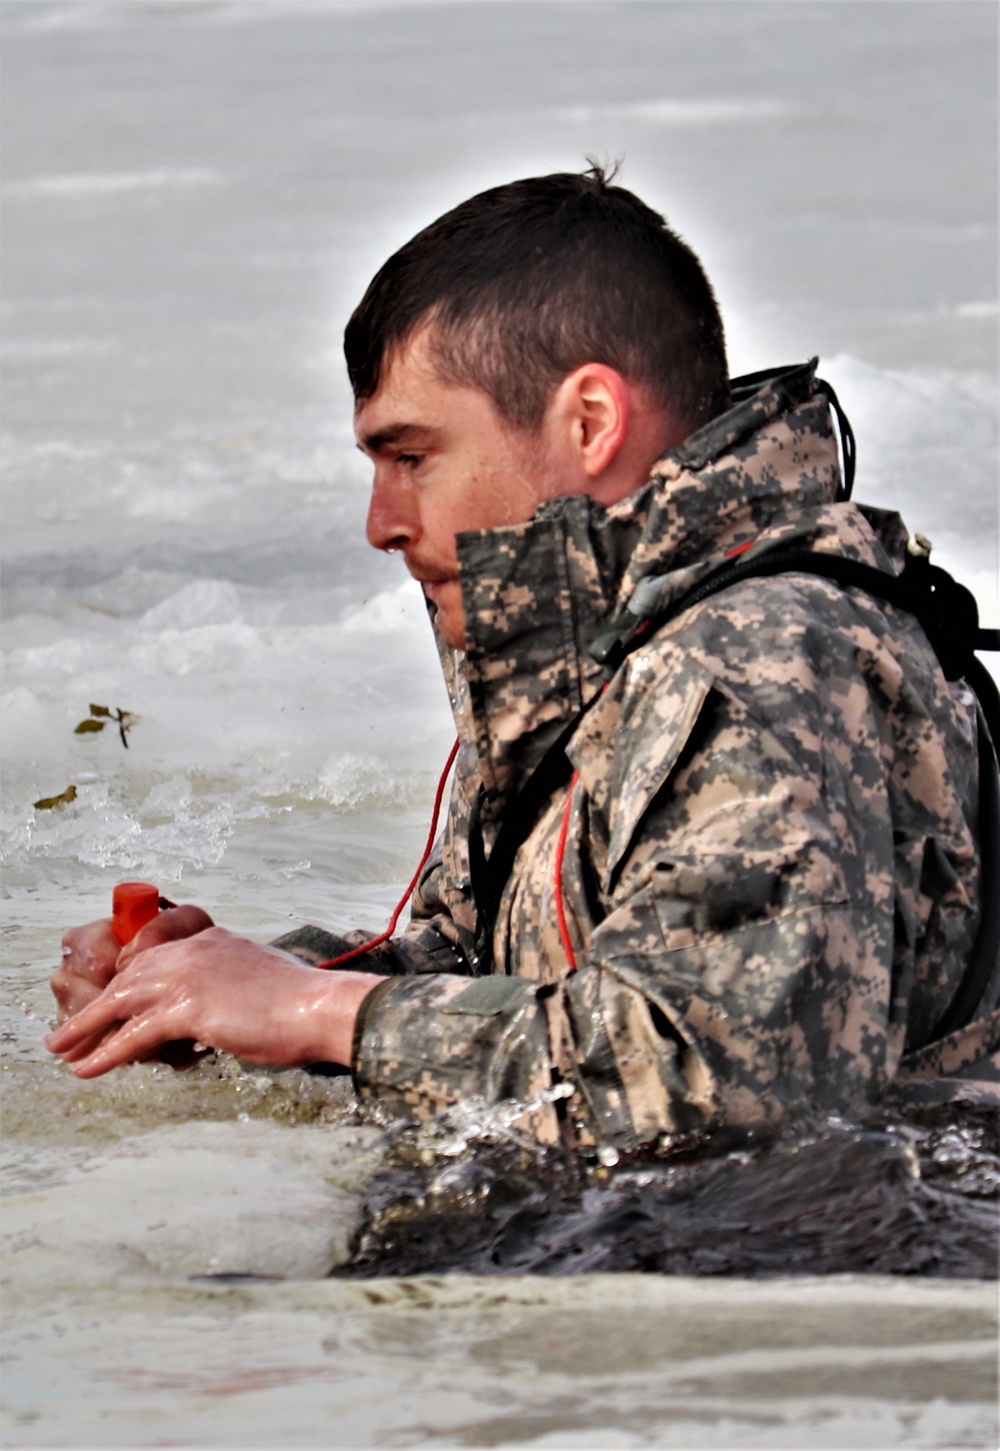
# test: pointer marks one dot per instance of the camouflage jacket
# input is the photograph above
(766, 856)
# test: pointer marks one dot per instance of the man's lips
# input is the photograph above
(433, 587)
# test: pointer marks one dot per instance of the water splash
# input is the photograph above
(891, 1195)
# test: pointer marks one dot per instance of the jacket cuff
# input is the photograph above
(367, 1005)
(423, 1043)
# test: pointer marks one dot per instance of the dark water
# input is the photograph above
(914, 1195)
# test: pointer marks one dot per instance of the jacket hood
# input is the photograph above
(537, 594)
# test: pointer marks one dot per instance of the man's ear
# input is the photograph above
(593, 406)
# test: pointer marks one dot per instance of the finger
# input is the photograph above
(71, 992)
(88, 1044)
(169, 926)
(96, 1017)
(136, 1039)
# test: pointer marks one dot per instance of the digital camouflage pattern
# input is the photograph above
(770, 877)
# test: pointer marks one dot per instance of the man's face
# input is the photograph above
(445, 462)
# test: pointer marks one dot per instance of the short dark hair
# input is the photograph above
(525, 282)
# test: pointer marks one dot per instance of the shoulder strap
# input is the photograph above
(979, 991)
(946, 610)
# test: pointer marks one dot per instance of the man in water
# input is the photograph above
(745, 884)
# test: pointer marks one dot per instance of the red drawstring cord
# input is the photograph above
(564, 937)
(557, 878)
(431, 837)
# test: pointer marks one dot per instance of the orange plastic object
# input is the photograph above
(133, 904)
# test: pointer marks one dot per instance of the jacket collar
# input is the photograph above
(536, 594)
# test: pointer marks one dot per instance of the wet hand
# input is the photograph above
(221, 990)
(92, 954)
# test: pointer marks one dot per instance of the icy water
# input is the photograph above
(194, 196)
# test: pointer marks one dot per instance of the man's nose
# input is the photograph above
(392, 518)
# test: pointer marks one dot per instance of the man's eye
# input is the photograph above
(410, 460)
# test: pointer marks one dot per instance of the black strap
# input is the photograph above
(948, 613)
(748, 384)
(848, 444)
(946, 610)
(979, 991)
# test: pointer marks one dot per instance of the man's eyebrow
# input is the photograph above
(395, 434)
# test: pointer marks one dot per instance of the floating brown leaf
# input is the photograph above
(48, 802)
(100, 715)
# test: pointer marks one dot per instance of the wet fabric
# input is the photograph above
(769, 870)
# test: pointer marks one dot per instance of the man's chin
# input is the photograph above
(447, 613)
(452, 633)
